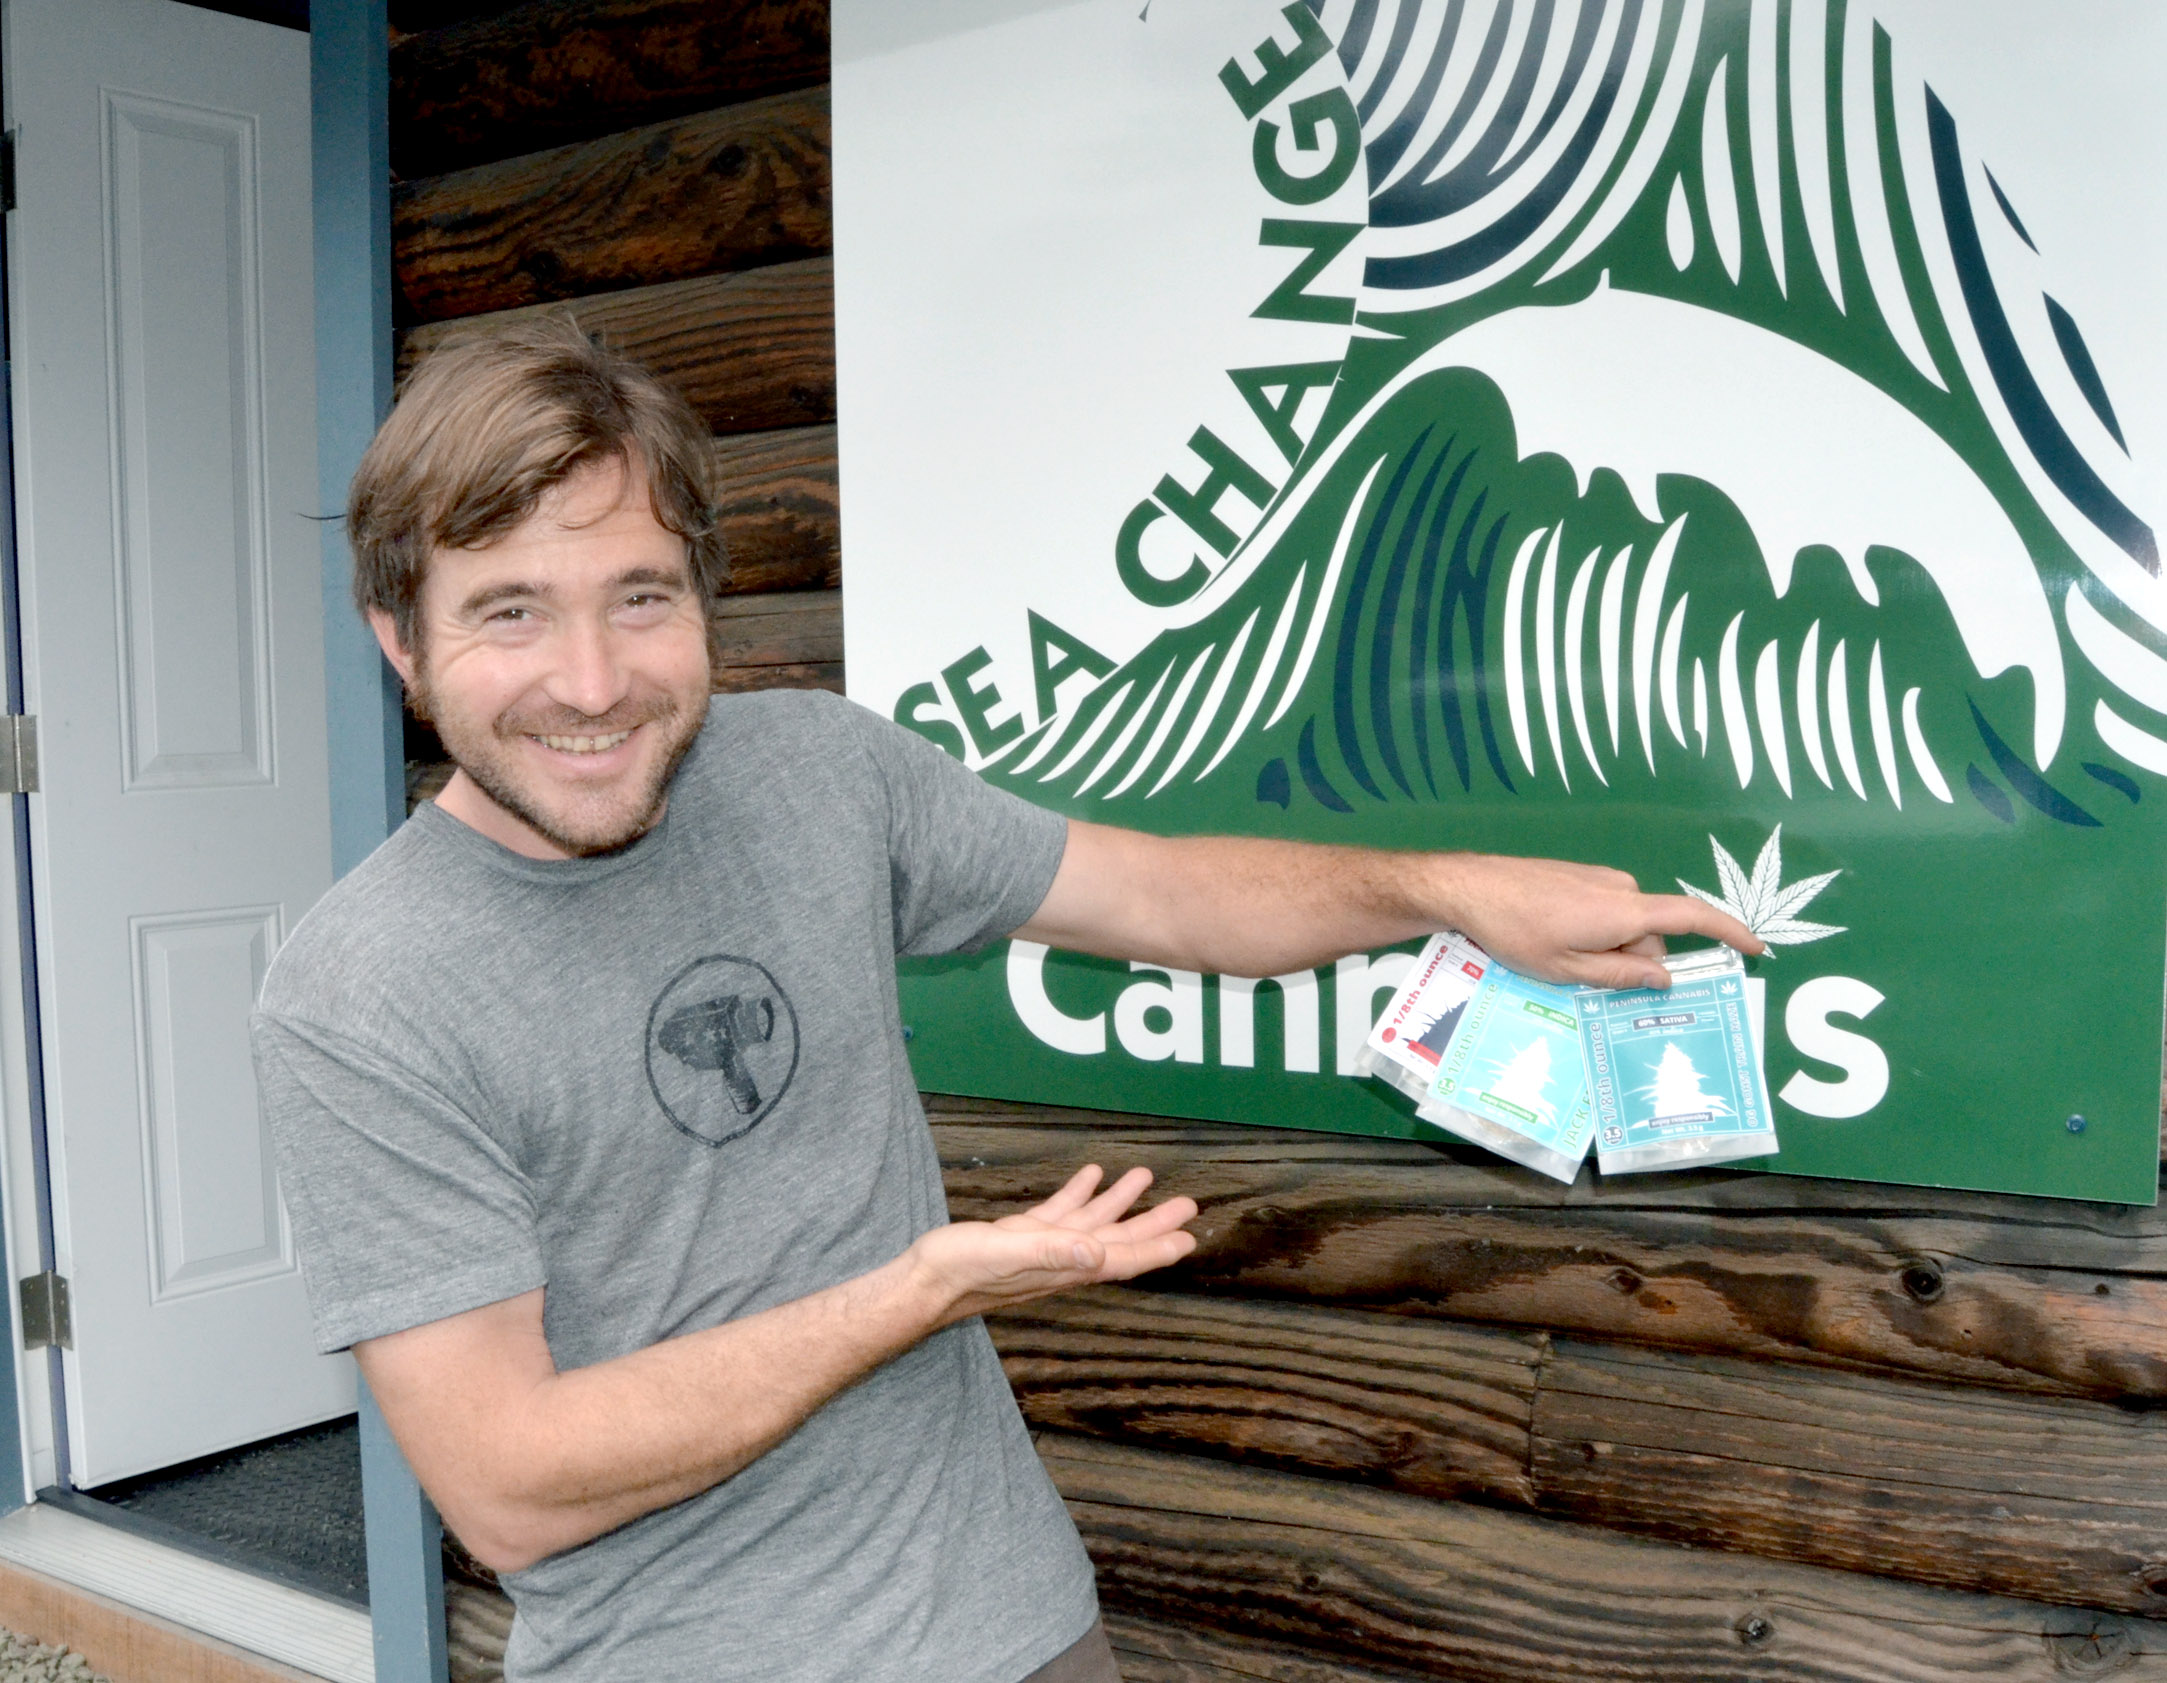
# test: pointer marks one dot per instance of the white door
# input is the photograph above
(161, 333)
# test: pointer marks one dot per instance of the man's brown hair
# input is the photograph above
(487, 425)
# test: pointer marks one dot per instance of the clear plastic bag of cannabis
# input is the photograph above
(1675, 1075)
(1513, 1079)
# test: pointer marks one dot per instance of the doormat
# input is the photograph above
(288, 1508)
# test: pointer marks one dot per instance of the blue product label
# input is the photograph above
(1672, 1065)
(1516, 1060)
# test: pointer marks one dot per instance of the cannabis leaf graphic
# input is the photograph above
(1763, 902)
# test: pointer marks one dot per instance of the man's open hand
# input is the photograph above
(1072, 1239)
(1577, 923)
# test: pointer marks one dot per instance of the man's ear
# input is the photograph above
(387, 639)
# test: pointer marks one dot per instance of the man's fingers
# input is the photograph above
(1678, 914)
(1160, 1218)
(1126, 1260)
(1075, 1259)
(1619, 969)
(1110, 1205)
(1073, 1196)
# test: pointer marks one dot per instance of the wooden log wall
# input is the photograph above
(659, 169)
(1409, 1412)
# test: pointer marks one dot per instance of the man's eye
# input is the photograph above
(510, 616)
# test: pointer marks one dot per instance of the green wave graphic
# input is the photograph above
(1446, 618)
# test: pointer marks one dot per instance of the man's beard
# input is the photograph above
(476, 749)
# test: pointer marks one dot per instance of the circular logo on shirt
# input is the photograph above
(722, 1045)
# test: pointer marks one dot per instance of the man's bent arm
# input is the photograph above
(524, 1462)
(1251, 907)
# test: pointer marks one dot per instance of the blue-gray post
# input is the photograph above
(350, 79)
(406, 1558)
(350, 74)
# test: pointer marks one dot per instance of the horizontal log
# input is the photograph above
(477, 1625)
(808, 675)
(748, 351)
(2014, 1293)
(780, 509)
(1154, 1651)
(1444, 1589)
(788, 640)
(2047, 1499)
(785, 628)
(728, 189)
(1432, 1409)
(555, 71)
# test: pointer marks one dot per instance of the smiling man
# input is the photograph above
(590, 1097)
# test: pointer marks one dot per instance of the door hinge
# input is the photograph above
(46, 1316)
(19, 754)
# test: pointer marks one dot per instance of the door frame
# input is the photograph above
(350, 86)
(31, 1384)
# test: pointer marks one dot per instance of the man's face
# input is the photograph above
(565, 668)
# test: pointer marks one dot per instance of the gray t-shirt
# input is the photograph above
(668, 1086)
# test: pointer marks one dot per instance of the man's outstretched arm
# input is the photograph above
(1247, 907)
(524, 1462)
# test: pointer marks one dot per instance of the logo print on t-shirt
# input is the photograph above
(722, 1045)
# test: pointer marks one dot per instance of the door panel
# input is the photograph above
(216, 1217)
(161, 318)
(182, 228)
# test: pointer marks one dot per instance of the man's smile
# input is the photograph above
(582, 744)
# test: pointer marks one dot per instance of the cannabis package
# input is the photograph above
(1513, 1078)
(1676, 1075)
(1653, 1079)
(1409, 1040)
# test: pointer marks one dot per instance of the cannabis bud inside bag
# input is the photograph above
(1676, 1075)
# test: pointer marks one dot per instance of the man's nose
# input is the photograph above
(588, 676)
